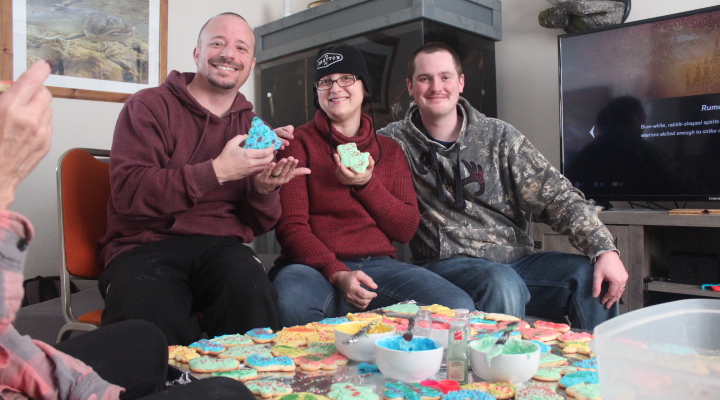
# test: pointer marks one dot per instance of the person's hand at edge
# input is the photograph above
(285, 134)
(25, 128)
(349, 283)
(609, 268)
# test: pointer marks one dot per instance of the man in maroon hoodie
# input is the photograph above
(186, 195)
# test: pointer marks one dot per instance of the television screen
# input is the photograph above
(640, 109)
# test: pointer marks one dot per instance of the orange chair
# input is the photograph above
(83, 183)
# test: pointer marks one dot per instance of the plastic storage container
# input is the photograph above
(668, 351)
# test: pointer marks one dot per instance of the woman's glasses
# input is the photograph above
(326, 84)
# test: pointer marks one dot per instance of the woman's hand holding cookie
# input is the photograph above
(351, 178)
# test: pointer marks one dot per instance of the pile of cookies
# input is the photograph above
(257, 356)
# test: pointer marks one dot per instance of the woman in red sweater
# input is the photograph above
(337, 226)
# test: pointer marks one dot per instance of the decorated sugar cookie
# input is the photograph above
(261, 335)
(521, 324)
(321, 348)
(499, 390)
(576, 337)
(553, 373)
(463, 394)
(587, 391)
(537, 391)
(366, 316)
(261, 136)
(410, 391)
(321, 337)
(265, 364)
(325, 361)
(501, 317)
(334, 321)
(294, 339)
(576, 347)
(562, 328)
(240, 353)
(303, 396)
(207, 364)
(400, 324)
(287, 351)
(232, 340)
(348, 391)
(551, 359)
(242, 375)
(182, 354)
(439, 309)
(353, 158)
(204, 346)
(575, 378)
(268, 388)
(318, 327)
(586, 365)
(543, 335)
(406, 308)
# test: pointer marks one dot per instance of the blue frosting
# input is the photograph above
(543, 347)
(261, 137)
(334, 321)
(418, 343)
(575, 378)
(468, 394)
(365, 368)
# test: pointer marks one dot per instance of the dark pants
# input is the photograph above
(134, 355)
(172, 281)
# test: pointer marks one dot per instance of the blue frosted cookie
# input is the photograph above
(261, 136)
(576, 378)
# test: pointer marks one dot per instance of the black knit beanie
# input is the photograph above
(342, 59)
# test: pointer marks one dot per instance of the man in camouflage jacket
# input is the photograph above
(477, 179)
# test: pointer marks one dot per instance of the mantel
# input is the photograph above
(341, 19)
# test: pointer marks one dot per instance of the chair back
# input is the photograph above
(83, 193)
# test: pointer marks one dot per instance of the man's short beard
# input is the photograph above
(221, 85)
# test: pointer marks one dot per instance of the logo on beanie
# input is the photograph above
(328, 59)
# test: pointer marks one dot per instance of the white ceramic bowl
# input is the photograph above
(364, 349)
(513, 368)
(408, 366)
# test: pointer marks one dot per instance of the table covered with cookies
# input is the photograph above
(304, 361)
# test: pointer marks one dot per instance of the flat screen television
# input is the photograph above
(640, 109)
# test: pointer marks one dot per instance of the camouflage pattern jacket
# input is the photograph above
(502, 178)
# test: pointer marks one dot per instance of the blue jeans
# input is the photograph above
(545, 284)
(306, 296)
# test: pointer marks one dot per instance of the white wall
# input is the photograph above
(527, 95)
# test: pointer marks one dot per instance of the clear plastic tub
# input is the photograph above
(668, 351)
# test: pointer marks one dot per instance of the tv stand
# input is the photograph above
(646, 239)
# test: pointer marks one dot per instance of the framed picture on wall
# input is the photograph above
(100, 50)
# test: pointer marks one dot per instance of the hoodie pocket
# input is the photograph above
(471, 241)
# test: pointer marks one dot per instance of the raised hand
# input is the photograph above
(278, 173)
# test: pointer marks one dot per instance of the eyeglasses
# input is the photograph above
(326, 84)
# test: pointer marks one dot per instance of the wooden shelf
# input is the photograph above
(658, 218)
(679, 288)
